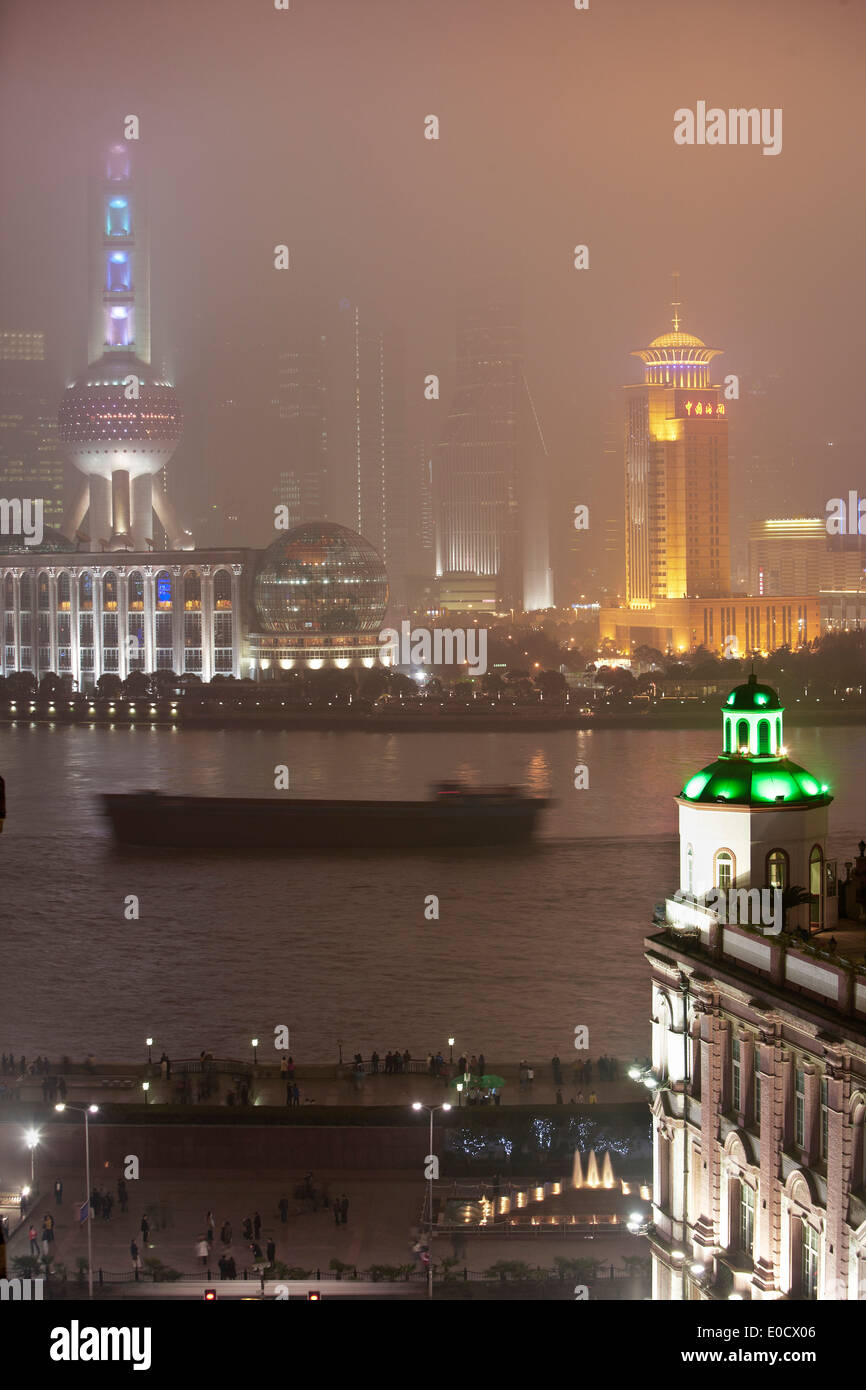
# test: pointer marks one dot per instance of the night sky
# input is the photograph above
(307, 127)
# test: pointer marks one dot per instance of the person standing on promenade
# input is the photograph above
(211, 1227)
(284, 1209)
(296, 1095)
(122, 1194)
(481, 1064)
(290, 1069)
(145, 1230)
(34, 1242)
(134, 1255)
(374, 1063)
(58, 1192)
(226, 1233)
(271, 1251)
(284, 1067)
(202, 1249)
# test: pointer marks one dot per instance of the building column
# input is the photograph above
(775, 1068)
(705, 1231)
(16, 627)
(122, 621)
(207, 601)
(74, 629)
(839, 1156)
(177, 612)
(53, 658)
(237, 571)
(96, 591)
(149, 624)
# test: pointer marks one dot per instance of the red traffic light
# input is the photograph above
(210, 1295)
(313, 1295)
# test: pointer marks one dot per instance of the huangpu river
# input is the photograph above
(529, 943)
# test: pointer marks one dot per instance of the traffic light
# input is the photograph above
(210, 1295)
(313, 1295)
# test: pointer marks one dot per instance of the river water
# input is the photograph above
(528, 945)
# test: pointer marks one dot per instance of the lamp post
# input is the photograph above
(86, 1111)
(255, 1045)
(450, 1049)
(431, 1111)
(149, 1042)
(459, 1095)
(145, 1086)
(31, 1139)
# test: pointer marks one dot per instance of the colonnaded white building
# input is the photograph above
(759, 1037)
(83, 615)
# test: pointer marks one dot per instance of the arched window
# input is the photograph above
(163, 590)
(64, 599)
(763, 737)
(136, 591)
(724, 868)
(85, 592)
(109, 592)
(727, 735)
(8, 594)
(777, 869)
(43, 593)
(778, 735)
(26, 591)
(816, 888)
(690, 869)
(191, 590)
(744, 1217)
(222, 590)
(743, 734)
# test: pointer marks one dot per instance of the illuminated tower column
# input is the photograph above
(677, 520)
(120, 263)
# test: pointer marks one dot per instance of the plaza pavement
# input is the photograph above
(384, 1214)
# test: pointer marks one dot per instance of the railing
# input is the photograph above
(351, 1275)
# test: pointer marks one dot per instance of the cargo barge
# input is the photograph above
(454, 816)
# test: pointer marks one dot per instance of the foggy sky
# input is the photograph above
(306, 127)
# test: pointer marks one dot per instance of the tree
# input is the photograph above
(21, 685)
(137, 686)
(50, 686)
(109, 686)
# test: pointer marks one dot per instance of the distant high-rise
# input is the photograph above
(677, 520)
(120, 420)
(31, 460)
(303, 483)
(366, 439)
(491, 467)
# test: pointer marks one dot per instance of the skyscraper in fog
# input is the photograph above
(31, 459)
(491, 470)
(677, 522)
(367, 445)
(303, 483)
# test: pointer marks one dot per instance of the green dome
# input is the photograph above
(751, 781)
(754, 697)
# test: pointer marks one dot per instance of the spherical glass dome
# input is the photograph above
(321, 577)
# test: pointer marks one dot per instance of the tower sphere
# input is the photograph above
(321, 577)
(104, 426)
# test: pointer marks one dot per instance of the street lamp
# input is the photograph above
(459, 1095)
(431, 1110)
(145, 1086)
(31, 1139)
(149, 1042)
(86, 1111)
(255, 1044)
(450, 1049)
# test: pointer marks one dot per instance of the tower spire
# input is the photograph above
(675, 302)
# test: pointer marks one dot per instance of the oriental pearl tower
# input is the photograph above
(120, 420)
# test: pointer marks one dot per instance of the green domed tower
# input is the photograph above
(753, 818)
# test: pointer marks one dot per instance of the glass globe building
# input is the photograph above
(320, 595)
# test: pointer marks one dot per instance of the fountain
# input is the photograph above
(576, 1171)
